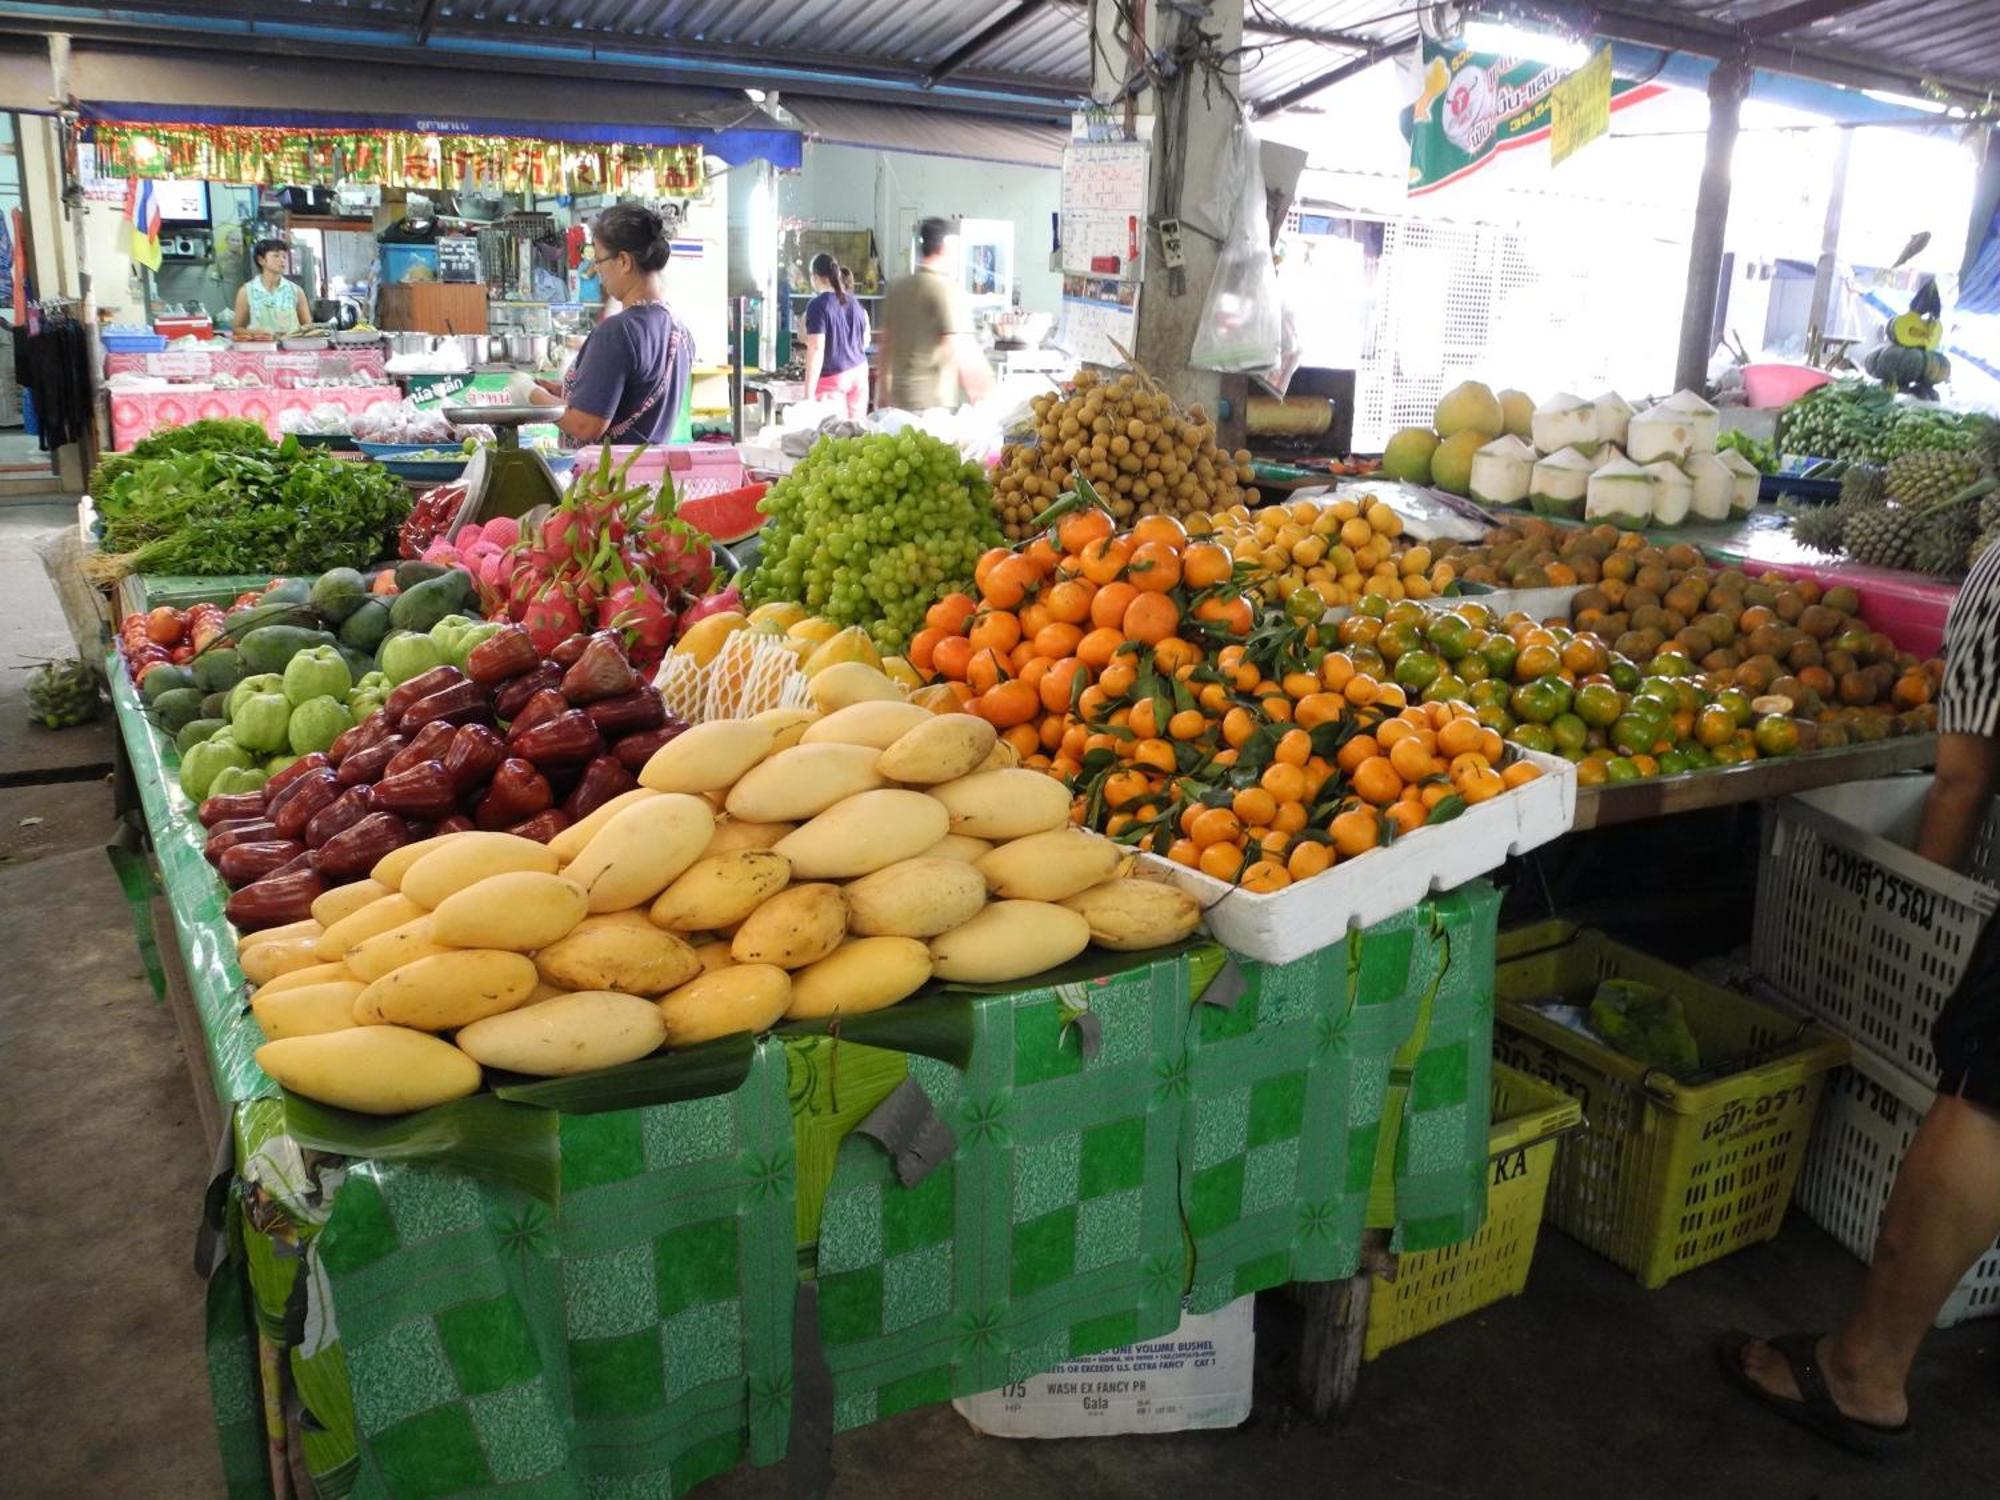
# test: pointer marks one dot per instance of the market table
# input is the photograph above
(503, 1296)
(1691, 791)
(138, 414)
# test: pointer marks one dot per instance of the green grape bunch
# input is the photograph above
(871, 530)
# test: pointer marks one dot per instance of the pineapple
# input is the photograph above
(1881, 537)
(1929, 476)
(1861, 484)
(1943, 536)
(1819, 526)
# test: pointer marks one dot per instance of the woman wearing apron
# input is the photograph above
(267, 305)
(630, 378)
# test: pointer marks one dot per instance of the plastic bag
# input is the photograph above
(1242, 323)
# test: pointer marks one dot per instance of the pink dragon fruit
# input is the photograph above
(681, 559)
(468, 534)
(503, 531)
(730, 598)
(643, 617)
(442, 552)
(561, 536)
(551, 616)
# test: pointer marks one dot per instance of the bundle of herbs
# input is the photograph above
(211, 434)
(284, 510)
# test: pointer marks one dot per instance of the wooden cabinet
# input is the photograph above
(431, 307)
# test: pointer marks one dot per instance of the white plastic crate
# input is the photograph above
(1313, 914)
(1868, 1114)
(1857, 930)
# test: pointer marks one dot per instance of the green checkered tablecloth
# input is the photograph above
(1053, 1231)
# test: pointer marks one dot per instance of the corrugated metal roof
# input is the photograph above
(1288, 43)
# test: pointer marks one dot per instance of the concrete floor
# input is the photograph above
(1584, 1386)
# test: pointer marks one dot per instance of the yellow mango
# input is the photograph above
(708, 757)
(720, 890)
(1050, 866)
(639, 853)
(566, 845)
(875, 722)
(864, 833)
(618, 951)
(704, 638)
(345, 900)
(835, 687)
(788, 725)
(948, 746)
(263, 962)
(1129, 914)
(861, 975)
(1004, 804)
(521, 910)
(392, 867)
(723, 1001)
(448, 990)
(388, 951)
(802, 782)
(576, 1033)
(374, 1070)
(797, 926)
(1009, 940)
(915, 898)
(307, 1009)
(392, 910)
(733, 833)
(470, 858)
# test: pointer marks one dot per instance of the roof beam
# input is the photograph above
(988, 34)
(1319, 83)
(1681, 31)
(426, 19)
(1797, 16)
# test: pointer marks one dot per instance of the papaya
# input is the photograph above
(269, 647)
(421, 607)
(364, 629)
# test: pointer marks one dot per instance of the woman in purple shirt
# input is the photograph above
(836, 339)
(630, 379)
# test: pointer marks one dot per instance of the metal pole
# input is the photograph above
(1829, 239)
(1726, 88)
(739, 317)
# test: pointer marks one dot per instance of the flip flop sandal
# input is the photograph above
(1815, 1410)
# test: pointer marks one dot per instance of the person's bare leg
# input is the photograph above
(1943, 1214)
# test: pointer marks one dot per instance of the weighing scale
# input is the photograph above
(505, 479)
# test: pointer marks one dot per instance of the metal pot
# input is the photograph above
(496, 349)
(472, 345)
(526, 350)
(411, 343)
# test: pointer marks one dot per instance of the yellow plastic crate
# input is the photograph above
(1666, 1175)
(1437, 1286)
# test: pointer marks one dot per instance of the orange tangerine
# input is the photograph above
(995, 630)
(922, 645)
(1223, 861)
(1336, 671)
(1375, 780)
(1295, 747)
(1188, 724)
(1204, 565)
(1307, 859)
(952, 656)
(1237, 727)
(1160, 531)
(988, 560)
(1315, 709)
(1118, 676)
(1290, 817)
(1284, 781)
(1069, 601)
(1411, 760)
(1254, 806)
(1481, 785)
(1156, 754)
(1097, 648)
(1519, 774)
(1214, 825)
(1008, 705)
(1357, 749)
(1104, 559)
(1057, 640)
(1458, 737)
(1176, 655)
(1122, 788)
(1143, 720)
(1355, 832)
(1151, 618)
(1362, 690)
(1109, 603)
(1079, 528)
(1154, 567)
(1265, 876)
(952, 614)
(1406, 817)
(1184, 852)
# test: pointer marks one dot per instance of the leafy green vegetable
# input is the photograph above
(211, 434)
(287, 509)
(1762, 454)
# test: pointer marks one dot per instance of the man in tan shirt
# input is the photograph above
(926, 349)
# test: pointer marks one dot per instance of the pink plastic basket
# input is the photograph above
(698, 468)
(1779, 385)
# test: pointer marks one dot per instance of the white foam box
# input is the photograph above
(1196, 1377)
(1313, 914)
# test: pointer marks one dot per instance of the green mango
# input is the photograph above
(410, 574)
(289, 591)
(218, 669)
(240, 622)
(339, 593)
(271, 647)
(177, 709)
(422, 607)
(195, 731)
(164, 677)
(363, 630)
(216, 705)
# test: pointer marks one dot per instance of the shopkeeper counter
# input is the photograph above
(270, 364)
(614, 1302)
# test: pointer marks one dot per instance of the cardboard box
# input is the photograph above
(1198, 1376)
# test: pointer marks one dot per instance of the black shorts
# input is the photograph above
(1966, 1037)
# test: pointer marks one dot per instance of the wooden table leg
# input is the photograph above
(1336, 1328)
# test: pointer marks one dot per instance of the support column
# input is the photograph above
(1726, 88)
(1829, 240)
(1985, 199)
(1167, 321)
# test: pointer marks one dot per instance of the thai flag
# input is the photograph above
(142, 221)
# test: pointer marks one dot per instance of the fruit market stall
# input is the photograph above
(272, 368)
(520, 1248)
(138, 414)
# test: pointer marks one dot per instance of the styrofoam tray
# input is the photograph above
(1373, 887)
(1867, 1116)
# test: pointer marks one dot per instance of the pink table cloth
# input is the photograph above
(272, 366)
(138, 414)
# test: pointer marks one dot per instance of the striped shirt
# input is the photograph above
(1969, 699)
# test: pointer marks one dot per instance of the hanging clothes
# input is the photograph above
(52, 364)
